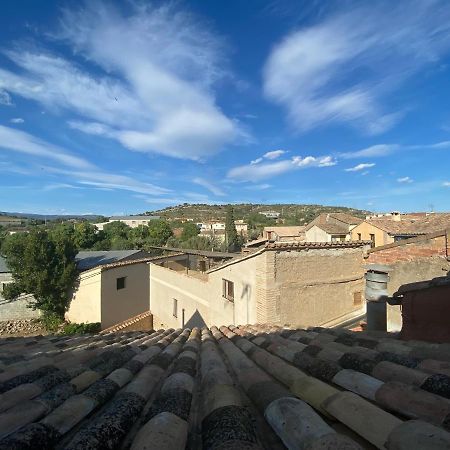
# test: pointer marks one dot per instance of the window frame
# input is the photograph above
(118, 282)
(227, 287)
(175, 308)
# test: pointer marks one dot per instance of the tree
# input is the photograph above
(116, 229)
(3, 236)
(85, 235)
(190, 230)
(42, 264)
(139, 236)
(231, 236)
(159, 233)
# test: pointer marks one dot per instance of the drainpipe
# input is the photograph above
(377, 277)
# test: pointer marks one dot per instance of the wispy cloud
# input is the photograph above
(256, 172)
(58, 186)
(208, 185)
(274, 154)
(446, 184)
(78, 169)
(156, 92)
(359, 167)
(405, 180)
(17, 120)
(22, 142)
(343, 68)
(5, 98)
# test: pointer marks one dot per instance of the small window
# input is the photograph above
(120, 283)
(175, 307)
(359, 236)
(228, 290)
(357, 298)
(372, 238)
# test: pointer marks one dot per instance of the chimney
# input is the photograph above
(377, 277)
(396, 216)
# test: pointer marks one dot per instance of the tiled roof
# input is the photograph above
(331, 218)
(306, 245)
(286, 231)
(249, 387)
(333, 228)
(413, 225)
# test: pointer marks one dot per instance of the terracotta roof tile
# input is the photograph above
(246, 387)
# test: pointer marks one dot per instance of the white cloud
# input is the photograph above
(22, 142)
(258, 187)
(405, 180)
(446, 184)
(156, 91)
(78, 169)
(5, 98)
(256, 172)
(17, 120)
(57, 186)
(343, 68)
(359, 167)
(208, 185)
(274, 154)
(256, 161)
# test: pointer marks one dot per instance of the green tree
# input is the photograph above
(231, 237)
(116, 229)
(42, 264)
(139, 236)
(190, 230)
(85, 235)
(3, 236)
(159, 233)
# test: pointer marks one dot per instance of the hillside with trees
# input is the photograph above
(290, 214)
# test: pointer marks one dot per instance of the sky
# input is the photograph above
(125, 107)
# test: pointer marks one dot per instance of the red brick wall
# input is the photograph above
(436, 244)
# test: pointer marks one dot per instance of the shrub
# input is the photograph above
(80, 328)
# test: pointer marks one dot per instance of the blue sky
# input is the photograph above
(123, 107)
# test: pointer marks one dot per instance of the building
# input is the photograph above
(112, 286)
(241, 227)
(331, 227)
(279, 284)
(131, 221)
(10, 221)
(395, 227)
(19, 308)
(411, 260)
(261, 386)
(284, 234)
(270, 214)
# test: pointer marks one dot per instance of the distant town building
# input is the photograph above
(10, 221)
(389, 228)
(131, 221)
(284, 234)
(270, 214)
(331, 227)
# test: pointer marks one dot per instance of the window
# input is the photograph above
(120, 283)
(175, 307)
(359, 236)
(228, 290)
(372, 238)
(357, 298)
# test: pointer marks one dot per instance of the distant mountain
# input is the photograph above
(292, 213)
(50, 216)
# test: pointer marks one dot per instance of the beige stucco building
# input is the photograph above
(283, 283)
(284, 234)
(331, 227)
(131, 221)
(110, 293)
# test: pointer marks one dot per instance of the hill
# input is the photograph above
(291, 214)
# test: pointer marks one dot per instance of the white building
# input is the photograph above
(271, 214)
(131, 221)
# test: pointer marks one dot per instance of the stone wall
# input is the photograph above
(316, 287)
